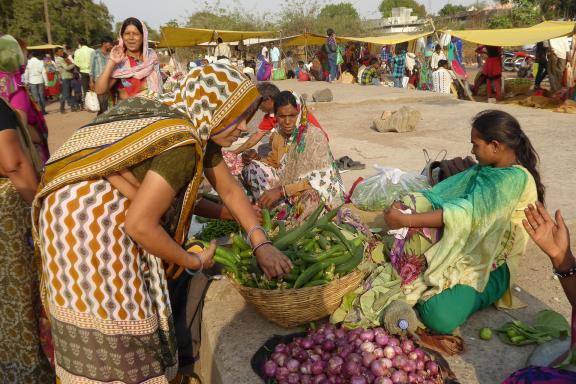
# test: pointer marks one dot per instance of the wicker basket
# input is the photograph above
(292, 307)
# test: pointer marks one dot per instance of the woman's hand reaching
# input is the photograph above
(552, 237)
(394, 218)
(273, 262)
(117, 54)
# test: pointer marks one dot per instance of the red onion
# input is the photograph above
(302, 356)
(280, 347)
(409, 365)
(352, 335)
(318, 379)
(421, 354)
(317, 367)
(305, 379)
(398, 361)
(351, 368)
(358, 380)
(379, 330)
(429, 382)
(413, 356)
(328, 345)
(340, 333)
(295, 350)
(399, 377)
(407, 346)
(355, 357)
(307, 343)
(293, 365)
(329, 335)
(357, 342)
(306, 367)
(282, 373)
(335, 365)
(397, 350)
(367, 335)
(318, 338)
(270, 368)
(393, 341)
(367, 358)
(293, 378)
(379, 368)
(280, 358)
(326, 356)
(344, 351)
(413, 378)
(389, 352)
(383, 380)
(432, 367)
(314, 357)
(318, 350)
(387, 362)
(381, 339)
(378, 352)
(367, 346)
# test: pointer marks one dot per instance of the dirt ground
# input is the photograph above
(445, 125)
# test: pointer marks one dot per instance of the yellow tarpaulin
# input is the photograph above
(43, 47)
(514, 37)
(392, 38)
(188, 37)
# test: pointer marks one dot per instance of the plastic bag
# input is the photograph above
(381, 190)
(91, 102)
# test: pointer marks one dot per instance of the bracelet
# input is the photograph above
(192, 273)
(568, 273)
(259, 245)
(251, 231)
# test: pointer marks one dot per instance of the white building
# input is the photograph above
(402, 20)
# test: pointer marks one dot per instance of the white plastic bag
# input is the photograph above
(91, 102)
(389, 184)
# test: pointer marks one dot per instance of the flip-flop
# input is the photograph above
(356, 165)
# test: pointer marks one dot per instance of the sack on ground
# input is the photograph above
(322, 95)
(91, 102)
(403, 120)
(389, 184)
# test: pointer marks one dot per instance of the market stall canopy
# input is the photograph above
(43, 47)
(389, 39)
(513, 37)
(188, 37)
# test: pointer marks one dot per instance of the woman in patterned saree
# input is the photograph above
(113, 211)
(300, 172)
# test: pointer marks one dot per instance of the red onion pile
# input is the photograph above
(331, 355)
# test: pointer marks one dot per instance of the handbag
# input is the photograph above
(91, 102)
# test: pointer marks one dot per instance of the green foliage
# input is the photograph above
(386, 6)
(342, 17)
(215, 16)
(525, 13)
(451, 10)
(299, 16)
(69, 19)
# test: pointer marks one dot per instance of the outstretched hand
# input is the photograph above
(552, 237)
(117, 54)
(273, 262)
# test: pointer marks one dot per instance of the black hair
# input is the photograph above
(106, 39)
(438, 47)
(373, 61)
(132, 21)
(442, 63)
(329, 31)
(82, 41)
(494, 125)
(267, 90)
(284, 98)
(300, 62)
(219, 40)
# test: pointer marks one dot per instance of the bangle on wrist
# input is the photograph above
(571, 271)
(260, 245)
(251, 231)
(192, 273)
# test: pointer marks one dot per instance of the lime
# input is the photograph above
(486, 334)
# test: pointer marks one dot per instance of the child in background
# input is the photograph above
(76, 91)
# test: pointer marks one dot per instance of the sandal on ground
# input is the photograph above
(346, 163)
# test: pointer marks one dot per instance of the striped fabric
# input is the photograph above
(106, 294)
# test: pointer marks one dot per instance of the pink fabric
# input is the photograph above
(148, 69)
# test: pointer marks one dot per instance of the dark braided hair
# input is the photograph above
(494, 125)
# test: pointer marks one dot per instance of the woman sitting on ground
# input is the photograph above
(132, 66)
(300, 171)
(465, 235)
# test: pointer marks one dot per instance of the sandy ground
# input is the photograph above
(445, 125)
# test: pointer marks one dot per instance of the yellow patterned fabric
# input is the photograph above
(106, 297)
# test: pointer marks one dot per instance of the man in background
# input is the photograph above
(35, 77)
(442, 78)
(222, 50)
(82, 57)
(275, 56)
(65, 68)
(97, 64)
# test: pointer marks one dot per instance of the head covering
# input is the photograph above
(149, 68)
(308, 157)
(12, 62)
(214, 97)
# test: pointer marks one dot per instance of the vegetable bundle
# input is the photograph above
(360, 356)
(319, 250)
(215, 229)
(547, 325)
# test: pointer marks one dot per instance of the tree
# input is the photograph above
(524, 13)
(215, 16)
(386, 6)
(70, 20)
(299, 16)
(341, 17)
(451, 10)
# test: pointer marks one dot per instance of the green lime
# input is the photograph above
(486, 334)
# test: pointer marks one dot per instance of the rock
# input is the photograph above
(403, 120)
(322, 95)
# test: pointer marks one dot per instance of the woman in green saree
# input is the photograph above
(465, 235)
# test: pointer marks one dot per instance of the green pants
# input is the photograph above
(449, 309)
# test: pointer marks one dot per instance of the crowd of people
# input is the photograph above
(93, 251)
